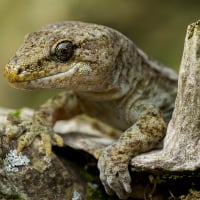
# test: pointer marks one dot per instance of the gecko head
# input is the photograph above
(70, 55)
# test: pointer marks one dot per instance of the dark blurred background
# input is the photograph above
(157, 27)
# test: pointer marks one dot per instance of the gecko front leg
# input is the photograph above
(141, 137)
(64, 105)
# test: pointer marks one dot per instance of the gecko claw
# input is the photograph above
(114, 174)
(57, 139)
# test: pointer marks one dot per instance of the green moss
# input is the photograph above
(94, 192)
(181, 176)
(16, 113)
(94, 189)
(10, 197)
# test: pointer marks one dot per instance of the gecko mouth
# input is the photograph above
(51, 81)
(61, 80)
(18, 76)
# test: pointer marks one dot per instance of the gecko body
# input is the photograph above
(106, 77)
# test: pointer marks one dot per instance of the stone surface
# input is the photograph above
(31, 175)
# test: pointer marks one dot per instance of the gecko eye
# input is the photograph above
(63, 51)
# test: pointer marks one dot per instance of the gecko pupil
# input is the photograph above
(64, 51)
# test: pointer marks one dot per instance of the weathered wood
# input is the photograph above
(181, 149)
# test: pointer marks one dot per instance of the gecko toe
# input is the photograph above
(25, 140)
(46, 139)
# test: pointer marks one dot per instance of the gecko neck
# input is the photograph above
(109, 95)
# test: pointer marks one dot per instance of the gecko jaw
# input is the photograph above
(60, 80)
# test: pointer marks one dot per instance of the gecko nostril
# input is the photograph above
(19, 71)
(39, 63)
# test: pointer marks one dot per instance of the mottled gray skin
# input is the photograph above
(108, 78)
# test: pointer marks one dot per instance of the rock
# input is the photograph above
(31, 176)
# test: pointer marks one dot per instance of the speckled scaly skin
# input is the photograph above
(107, 77)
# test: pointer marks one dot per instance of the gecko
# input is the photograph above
(105, 76)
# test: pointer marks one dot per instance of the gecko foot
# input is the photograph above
(27, 130)
(114, 173)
